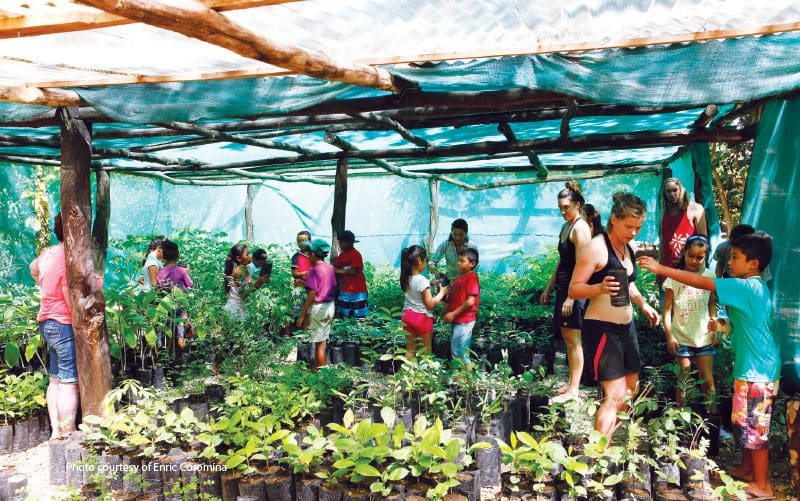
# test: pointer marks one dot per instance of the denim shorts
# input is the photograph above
(60, 342)
(685, 350)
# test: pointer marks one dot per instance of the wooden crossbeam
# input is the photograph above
(395, 126)
(232, 138)
(485, 148)
(210, 26)
(80, 20)
(44, 97)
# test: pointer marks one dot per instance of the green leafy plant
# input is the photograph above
(19, 330)
(21, 396)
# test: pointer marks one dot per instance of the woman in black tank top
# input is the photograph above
(567, 312)
(609, 329)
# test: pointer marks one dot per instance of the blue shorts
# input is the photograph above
(687, 351)
(60, 342)
(352, 304)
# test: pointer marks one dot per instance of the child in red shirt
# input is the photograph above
(349, 265)
(462, 304)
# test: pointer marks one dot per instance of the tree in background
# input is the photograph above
(731, 163)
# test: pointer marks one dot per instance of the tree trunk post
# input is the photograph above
(338, 217)
(101, 219)
(433, 223)
(86, 298)
(248, 213)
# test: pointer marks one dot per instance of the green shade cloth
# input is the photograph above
(771, 195)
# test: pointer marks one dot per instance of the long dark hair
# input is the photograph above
(591, 216)
(155, 243)
(696, 240)
(408, 259)
(231, 262)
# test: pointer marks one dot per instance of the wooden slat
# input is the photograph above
(81, 20)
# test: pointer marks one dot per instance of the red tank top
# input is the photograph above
(675, 229)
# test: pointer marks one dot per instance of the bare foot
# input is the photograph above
(740, 474)
(563, 389)
(755, 492)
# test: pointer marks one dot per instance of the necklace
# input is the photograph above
(620, 254)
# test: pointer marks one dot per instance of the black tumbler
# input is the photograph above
(623, 297)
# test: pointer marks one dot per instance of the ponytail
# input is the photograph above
(572, 191)
(409, 258)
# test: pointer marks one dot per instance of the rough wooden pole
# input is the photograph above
(248, 213)
(195, 20)
(87, 301)
(102, 216)
(338, 218)
(433, 222)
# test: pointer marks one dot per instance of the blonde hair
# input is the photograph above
(626, 204)
(683, 200)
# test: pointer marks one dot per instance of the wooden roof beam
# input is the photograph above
(395, 126)
(233, 138)
(80, 20)
(210, 26)
(44, 97)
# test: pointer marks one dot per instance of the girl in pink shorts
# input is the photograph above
(417, 315)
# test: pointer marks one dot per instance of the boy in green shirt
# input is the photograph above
(757, 363)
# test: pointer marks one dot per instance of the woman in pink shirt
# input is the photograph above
(55, 325)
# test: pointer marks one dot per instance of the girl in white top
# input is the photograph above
(148, 276)
(417, 316)
(687, 311)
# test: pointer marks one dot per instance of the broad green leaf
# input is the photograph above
(449, 469)
(344, 463)
(234, 461)
(388, 416)
(32, 347)
(398, 474)
(348, 419)
(367, 470)
(11, 354)
(151, 337)
(114, 349)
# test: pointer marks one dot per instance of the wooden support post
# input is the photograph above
(433, 224)
(338, 218)
(87, 301)
(248, 213)
(102, 215)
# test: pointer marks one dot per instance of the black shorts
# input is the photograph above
(612, 349)
(574, 321)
